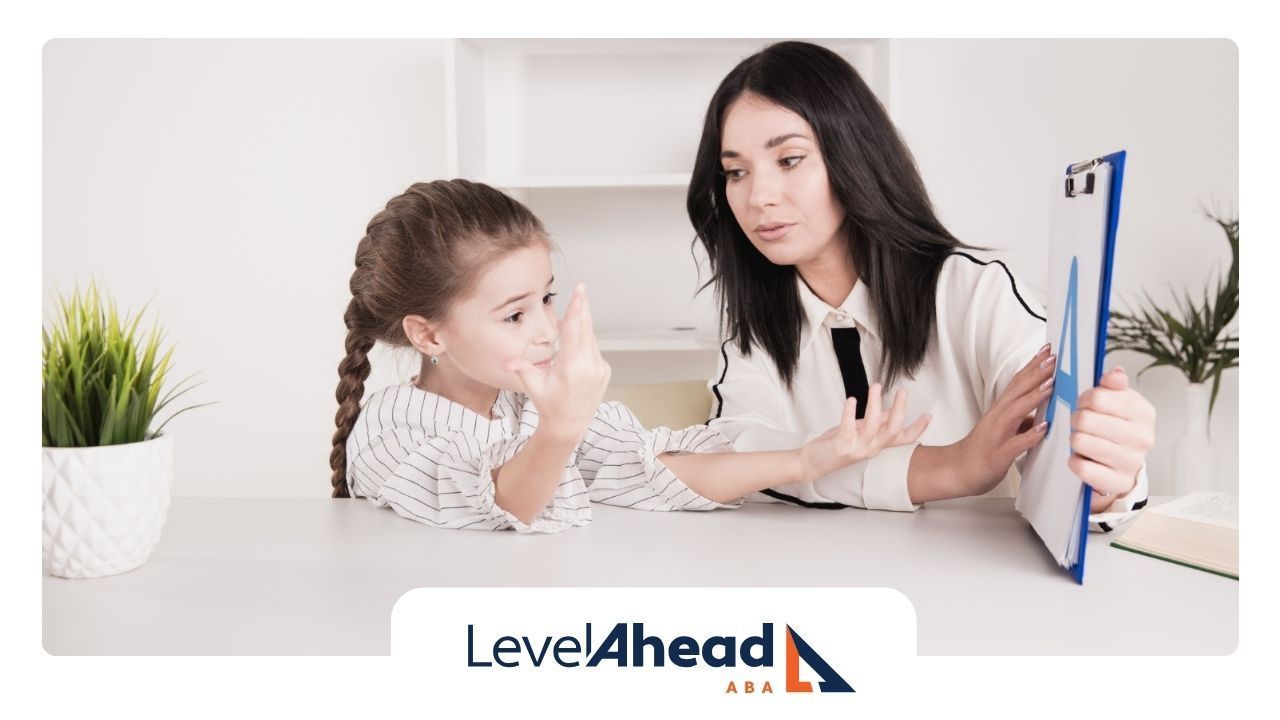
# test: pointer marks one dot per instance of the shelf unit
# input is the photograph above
(598, 137)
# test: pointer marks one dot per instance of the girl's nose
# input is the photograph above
(548, 330)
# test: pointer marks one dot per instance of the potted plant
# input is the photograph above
(1196, 337)
(107, 476)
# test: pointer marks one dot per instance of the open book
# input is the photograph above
(1200, 530)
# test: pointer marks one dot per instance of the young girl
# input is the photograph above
(500, 429)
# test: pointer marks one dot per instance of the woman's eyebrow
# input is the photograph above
(773, 143)
(520, 297)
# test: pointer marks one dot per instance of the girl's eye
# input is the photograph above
(546, 299)
(514, 318)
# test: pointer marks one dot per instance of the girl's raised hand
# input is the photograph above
(855, 440)
(568, 394)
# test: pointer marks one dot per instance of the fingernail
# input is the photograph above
(1043, 350)
(1048, 361)
(1046, 384)
(1042, 427)
(1120, 369)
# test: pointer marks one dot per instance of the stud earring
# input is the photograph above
(435, 360)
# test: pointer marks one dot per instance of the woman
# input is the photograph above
(832, 271)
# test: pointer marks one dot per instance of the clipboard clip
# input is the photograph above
(1076, 185)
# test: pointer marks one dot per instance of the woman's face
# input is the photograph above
(776, 182)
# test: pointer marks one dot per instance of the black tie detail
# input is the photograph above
(847, 341)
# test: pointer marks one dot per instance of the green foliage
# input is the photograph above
(102, 379)
(1193, 336)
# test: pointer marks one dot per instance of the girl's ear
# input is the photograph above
(423, 334)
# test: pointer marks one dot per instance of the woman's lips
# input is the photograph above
(775, 232)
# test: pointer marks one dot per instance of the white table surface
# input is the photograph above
(320, 576)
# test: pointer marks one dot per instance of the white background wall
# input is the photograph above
(231, 180)
(985, 118)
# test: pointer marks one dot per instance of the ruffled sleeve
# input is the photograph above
(618, 460)
(1124, 508)
(447, 481)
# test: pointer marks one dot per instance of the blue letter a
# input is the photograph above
(1065, 385)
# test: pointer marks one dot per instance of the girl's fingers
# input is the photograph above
(533, 379)
(571, 327)
(588, 327)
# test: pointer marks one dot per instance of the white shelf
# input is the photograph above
(529, 112)
(664, 342)
(578, 182)
(598, 138)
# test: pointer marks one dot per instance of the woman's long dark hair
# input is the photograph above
(896, 242)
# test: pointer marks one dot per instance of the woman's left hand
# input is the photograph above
(1114, 427)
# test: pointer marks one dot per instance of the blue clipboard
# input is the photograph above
(1079, 180)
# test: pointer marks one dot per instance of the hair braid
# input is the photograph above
(418, 256)
(353, 370)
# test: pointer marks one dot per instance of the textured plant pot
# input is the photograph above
(104, 507)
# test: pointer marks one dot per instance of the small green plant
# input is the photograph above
(1194, 336)
(102, 379)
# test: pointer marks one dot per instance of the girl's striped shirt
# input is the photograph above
(431, 460)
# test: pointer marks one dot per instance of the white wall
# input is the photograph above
(985, 119)
(231, 180)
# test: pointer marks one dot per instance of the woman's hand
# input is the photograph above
(1114, 427)
(855, 440)
(568, 394)
(1007, 430)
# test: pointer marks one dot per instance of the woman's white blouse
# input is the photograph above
(431, 460)
(986, 331)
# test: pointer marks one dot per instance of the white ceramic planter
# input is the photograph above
(104, 507)
(1193, 455)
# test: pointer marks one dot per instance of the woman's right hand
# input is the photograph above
(567, 394)
(1007, 430)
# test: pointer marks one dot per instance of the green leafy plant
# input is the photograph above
(1193, 336)
(102, 379)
